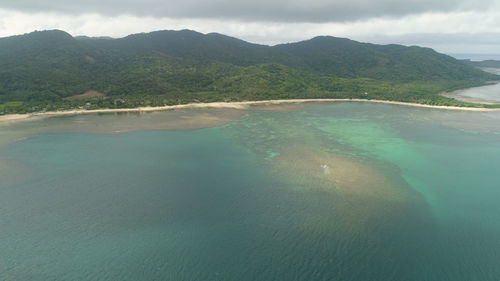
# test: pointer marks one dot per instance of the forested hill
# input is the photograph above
(50, 70)
(328, 55)
(484, 63)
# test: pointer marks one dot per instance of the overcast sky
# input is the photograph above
(450, 26)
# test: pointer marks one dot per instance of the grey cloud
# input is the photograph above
(248, 10)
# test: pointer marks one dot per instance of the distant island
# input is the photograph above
(484, 63)
(52, 70)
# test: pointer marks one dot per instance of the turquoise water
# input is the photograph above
(346, 191)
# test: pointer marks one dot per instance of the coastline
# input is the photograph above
(235, 105)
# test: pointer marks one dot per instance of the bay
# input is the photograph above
(331, 191)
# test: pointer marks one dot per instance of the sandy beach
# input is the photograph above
(236, 105)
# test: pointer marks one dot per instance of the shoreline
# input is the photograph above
(235, 105)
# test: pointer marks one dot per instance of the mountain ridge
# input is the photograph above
(40, 70)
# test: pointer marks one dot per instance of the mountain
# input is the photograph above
(189, 44)
(47, 70)
(325, 54)
(347, 58)
(484, 63)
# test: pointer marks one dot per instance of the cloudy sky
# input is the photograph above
(450, 26)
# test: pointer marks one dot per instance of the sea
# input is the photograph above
(350, 191)
(488, 94)
(476, 57)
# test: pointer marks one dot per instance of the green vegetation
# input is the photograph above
(40, 70)
(484, 63)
